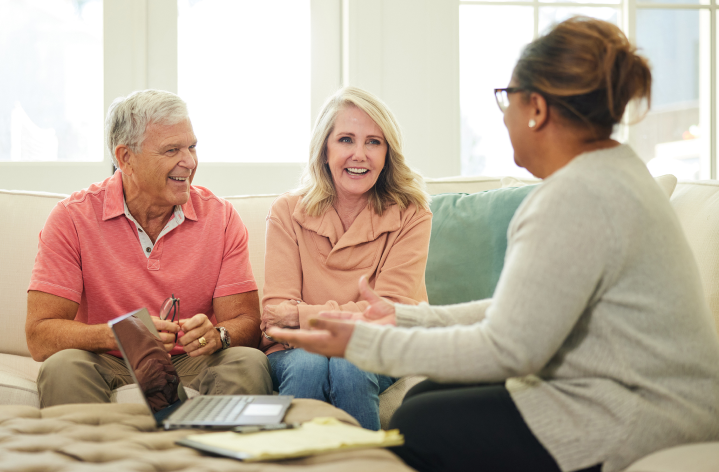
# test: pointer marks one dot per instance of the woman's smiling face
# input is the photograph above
(356, 151)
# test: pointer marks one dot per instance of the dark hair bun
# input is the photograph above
(587, 69)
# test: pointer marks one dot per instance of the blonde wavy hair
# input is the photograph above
(397, 183)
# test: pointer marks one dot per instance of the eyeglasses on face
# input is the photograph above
(502, 96)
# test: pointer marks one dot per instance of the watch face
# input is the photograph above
(224, 337)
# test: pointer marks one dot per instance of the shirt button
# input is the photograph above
(148, 249)
(139, 229)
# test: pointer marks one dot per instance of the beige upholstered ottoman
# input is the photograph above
(119, 437)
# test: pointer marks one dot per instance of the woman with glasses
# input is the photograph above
(361, 211)
(598, 346)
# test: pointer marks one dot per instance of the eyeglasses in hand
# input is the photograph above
(170, 305)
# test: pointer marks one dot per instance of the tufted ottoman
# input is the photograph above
(117, 437)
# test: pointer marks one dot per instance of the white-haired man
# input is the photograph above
(134, 240)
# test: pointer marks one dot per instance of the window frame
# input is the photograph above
(627, 15)
(140, 52)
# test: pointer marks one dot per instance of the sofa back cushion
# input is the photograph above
(469, 236)
(471, 184)
(697, 206)
(468, 242)
(253, 210)
(23, 215)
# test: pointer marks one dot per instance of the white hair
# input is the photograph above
(128, 118)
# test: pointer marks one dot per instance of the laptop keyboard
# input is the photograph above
(211, 409)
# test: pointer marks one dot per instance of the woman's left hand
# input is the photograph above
(326, 337)
(284, 315)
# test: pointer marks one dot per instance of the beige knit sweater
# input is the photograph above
(598, 322)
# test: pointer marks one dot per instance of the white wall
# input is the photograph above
(405, 51)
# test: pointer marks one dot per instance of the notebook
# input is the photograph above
(164, 394)
(318, 436)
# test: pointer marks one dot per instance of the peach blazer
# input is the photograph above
(313, 260)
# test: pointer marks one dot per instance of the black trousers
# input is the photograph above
(450, 427)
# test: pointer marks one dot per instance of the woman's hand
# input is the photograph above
(284, 315)
(326, 337)
(379, 311)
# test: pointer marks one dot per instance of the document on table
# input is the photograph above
(318, 436)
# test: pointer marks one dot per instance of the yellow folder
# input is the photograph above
(321, 435)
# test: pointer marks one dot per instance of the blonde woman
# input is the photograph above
(361, 211)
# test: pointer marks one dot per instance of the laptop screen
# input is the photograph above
(147, 360)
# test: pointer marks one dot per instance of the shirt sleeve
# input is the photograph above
(283, 268)
(556, 263)
(58, 264)
(401, 277)
(236, 272)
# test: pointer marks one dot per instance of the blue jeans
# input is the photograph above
(334, 380)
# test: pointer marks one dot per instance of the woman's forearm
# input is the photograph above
(435, 316)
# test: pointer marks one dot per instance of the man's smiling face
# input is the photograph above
(165, 166)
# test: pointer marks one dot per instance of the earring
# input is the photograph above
(532, 123)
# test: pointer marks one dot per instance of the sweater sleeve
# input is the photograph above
(449, 315)
(560, 243)
(400, 278)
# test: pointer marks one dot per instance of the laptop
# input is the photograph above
(164, 394)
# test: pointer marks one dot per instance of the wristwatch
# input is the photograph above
(224, 336)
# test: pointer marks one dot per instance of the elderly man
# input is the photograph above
(141, 237)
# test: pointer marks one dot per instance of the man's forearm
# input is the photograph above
(243, 330)
(46, 337)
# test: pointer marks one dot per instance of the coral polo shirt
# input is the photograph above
(90, 253)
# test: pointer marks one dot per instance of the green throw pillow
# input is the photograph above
(468, 242)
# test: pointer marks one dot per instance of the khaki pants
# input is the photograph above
(76, 376)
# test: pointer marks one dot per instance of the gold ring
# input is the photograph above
(202, 341)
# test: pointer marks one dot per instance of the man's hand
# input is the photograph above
(168, 331)
(199, 326)
(380, 310)
(326, 337)
(284, 315)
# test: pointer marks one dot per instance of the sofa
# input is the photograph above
(24, 213)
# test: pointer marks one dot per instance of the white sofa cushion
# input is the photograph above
(467, 184)
(17, 380)
(23, 215)
(253, 210)
(667, 183)
(697, 206)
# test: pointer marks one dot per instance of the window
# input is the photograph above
(51, 106)
(673, 137)
(244, 70)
